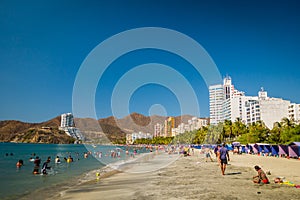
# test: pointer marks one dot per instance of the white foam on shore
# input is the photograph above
(142, 163)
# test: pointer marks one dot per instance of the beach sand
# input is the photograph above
(192, 178)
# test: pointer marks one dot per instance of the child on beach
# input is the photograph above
(261, 176)
(208, 154)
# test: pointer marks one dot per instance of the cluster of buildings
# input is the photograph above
(227, 103)
(193, 124)
(67, 124)
(130, 138)
(168, 129)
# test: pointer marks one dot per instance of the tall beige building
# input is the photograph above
(169, 124)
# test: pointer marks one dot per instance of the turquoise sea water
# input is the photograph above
(19, 182)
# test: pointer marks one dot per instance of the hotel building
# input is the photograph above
(227, 103)
(294, 112)
(67, 125)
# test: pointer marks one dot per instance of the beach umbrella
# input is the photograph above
(236, 144)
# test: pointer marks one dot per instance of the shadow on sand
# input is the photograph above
(233, 173)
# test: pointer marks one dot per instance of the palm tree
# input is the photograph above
(239, 127)
(286, 123)
(228, 129)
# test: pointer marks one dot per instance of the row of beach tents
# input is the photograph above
(291, 150)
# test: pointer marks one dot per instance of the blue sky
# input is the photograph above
(43, 44)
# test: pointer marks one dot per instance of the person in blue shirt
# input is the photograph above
(223, 158)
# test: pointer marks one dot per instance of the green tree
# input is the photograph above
(258, 132)
(238, 128)
(227, 129)
(274, 137)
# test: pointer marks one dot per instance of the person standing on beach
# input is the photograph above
(223, 158)
(208, 154)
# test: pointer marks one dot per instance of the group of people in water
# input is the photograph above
(37, 162)
(37, 169)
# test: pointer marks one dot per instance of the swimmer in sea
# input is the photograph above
(20, 163)
(36, 168)
(57, 159)
(45, 167)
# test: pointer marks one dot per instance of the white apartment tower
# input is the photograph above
(67, 120)
(158, 128)
(216, 100)
(67, 125)
(294, 112)
(226, 103)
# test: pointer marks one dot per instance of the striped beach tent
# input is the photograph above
(267, 148)
(294, 149)
(274, 149)
(262, 147)
(283, 149)
(255, 148)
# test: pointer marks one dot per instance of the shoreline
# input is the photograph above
(193, 178)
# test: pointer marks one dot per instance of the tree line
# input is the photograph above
(283, 132)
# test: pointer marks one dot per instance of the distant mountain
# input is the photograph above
(105, 129)
(45, 132)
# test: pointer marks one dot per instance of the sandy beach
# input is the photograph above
(192, 178)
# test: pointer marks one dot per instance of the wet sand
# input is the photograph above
(192, 178)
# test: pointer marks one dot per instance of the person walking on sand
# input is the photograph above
(223, 158)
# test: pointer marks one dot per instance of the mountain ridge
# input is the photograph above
(110, 127)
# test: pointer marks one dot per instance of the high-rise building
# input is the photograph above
(169, 124)
(224, 102)
(67, 125)
(158, 128)
(294, 112)
(227, 103)
(216, 101)
(67, 120)
(273, 110)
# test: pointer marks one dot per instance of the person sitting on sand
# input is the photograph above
(261, 176)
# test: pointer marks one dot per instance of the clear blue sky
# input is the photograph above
(43, 44)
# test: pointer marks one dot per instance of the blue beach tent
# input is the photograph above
(274, 150)
(267, 148)
(229, 147)
(244, 149)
